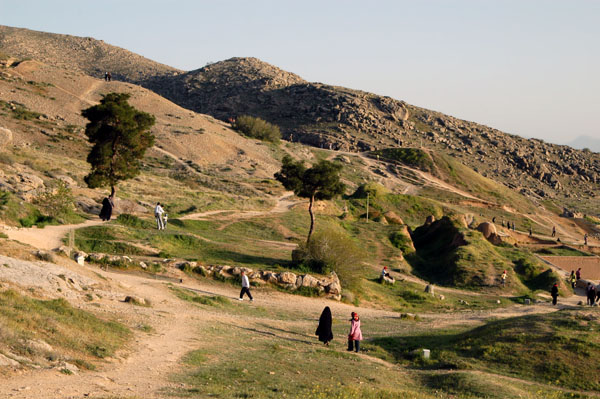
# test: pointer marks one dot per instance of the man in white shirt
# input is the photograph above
(158, 211)
(245, 287)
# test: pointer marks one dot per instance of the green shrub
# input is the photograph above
(402, 242)
(57, 202)
(257, 128)
(331, 249)
(409, 156)
(35, 218)
(375, 190)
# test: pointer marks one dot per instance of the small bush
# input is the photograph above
(257, 128)
(402, 242)
(57, 202)
(35, 218)
(375, 190)
(331, 249)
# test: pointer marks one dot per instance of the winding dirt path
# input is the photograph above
(47, 238)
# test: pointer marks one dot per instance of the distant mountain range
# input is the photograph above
(588, 142)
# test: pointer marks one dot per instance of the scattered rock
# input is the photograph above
(430, 289)
(135, 300)
(7, 362)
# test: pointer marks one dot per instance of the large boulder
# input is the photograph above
(287, 278)
(309, 281)
(487, 229)
(392, 218)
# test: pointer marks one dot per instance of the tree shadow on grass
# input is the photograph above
(247, 259)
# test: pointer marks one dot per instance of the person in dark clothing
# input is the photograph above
(324, 327)
(578, 274)
(591, 294)
(572, 279)
(494, 219)
(107, 208)
(109, 76)
(554, 293)
(553, 231)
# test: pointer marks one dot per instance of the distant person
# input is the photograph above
(355, 335)
(553, 231)
(109, 76)
(573, 279)
(384, 272)
(503, 277)
(591, 294)
(513, 226)
(578, 274)
(107, 208)
(158, 214)
(324, 328)
(494, 219)
(530, 232)
(598, 293)
(165, 219)
(585, 240)
(106, 76)
(245, 287)
(554, 293)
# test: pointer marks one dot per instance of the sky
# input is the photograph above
(526, 67)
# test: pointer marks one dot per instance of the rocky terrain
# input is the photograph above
(327, 116)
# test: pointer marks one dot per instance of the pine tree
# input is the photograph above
(120, 135)
(320, 182)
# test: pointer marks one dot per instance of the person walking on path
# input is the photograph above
(554, 293)
(109, 77)
(355, 335)
(591, 294)
(106, 76)
(158, 212)
(578, 274)
(573, 279)
(503, 277)
(245, 287)
(324, 328)
(585, 239)
(553, 231)
(107, 208)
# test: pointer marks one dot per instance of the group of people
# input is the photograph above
(107, 76)
(325, 333)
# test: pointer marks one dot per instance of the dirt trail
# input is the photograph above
(48, 238)
(284, 204)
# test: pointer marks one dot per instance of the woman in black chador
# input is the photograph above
(107, 208)
(324, 328)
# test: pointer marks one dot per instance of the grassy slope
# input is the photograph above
(558, 348)
(78, 336)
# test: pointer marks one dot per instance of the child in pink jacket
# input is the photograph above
(355, 335)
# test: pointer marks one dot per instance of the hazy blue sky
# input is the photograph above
(526, 67)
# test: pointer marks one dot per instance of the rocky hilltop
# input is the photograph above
(351, 120)
(84, 54)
